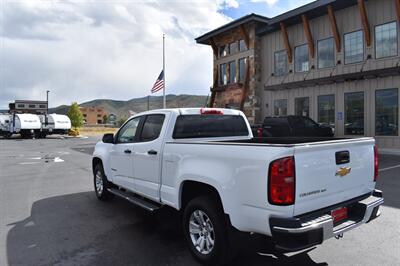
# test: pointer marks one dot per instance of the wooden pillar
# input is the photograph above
(397, 3)
(212, 99)
(335, 31)
(214, 47)
(245, 36)
(286, 42)
(364, 21)
(246, 85)
(307, 32)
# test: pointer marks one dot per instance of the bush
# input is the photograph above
(73, 132)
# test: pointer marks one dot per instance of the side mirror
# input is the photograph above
(108, 138)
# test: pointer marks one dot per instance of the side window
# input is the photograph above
(310, 123)
(152, 127)
(128, 132)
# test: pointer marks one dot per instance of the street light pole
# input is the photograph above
(47, 98)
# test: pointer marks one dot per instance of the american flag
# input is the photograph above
(159, 84)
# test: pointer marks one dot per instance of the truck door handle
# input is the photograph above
(152, 152)
(127, 151)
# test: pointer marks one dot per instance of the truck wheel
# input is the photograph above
(206, 231)
(101, 183)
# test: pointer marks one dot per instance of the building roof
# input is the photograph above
(205, 38)
(30, 101)
(312, 10)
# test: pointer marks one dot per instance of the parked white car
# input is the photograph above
(205, 163)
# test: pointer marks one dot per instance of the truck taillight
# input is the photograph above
(281, 184)
(376, 163)
(205, 111)
(259, 132)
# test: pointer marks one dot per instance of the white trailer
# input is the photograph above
(27, 125)
(5, 120)
(54, 124)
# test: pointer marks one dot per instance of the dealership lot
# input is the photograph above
(50, 215)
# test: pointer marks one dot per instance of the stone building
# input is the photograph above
(237, 75)
(336, 61)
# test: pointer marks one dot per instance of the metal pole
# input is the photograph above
(47, 99)
(164, 100)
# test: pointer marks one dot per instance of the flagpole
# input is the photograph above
(164, 100)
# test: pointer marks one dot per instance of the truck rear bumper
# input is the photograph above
(298, 233)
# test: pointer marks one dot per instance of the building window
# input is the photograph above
(21, 105)
(302, 106)
(223, 50)
(242, 46)
(354, 113)
(233, 48)
(42, 106)
(387, 112)
(353, 47)
(242, 69)
(301, 58)
(280, 107)
(232, 72)
(386, 40)
(326, 110)
(32, 106)
(223, 77)
(281, 63)
(84, 115)
(326, 53)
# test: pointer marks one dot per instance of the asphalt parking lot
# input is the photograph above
(49, 215)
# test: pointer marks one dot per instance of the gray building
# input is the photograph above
(28, 106)
(336, 61)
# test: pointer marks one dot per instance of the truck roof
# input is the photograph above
(195, 111)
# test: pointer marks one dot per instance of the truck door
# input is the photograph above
(147, 156)
(121, 159)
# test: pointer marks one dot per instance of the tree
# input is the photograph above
(121, 121)
(75, 115)
(105, 119)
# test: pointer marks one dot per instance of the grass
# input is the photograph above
(96, 131)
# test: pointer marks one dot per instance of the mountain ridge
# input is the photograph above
(122, 108)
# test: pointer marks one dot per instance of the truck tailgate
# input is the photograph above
(324, 177)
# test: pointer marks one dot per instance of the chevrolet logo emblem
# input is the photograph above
(343, 171)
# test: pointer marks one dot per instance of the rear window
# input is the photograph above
(208, 126)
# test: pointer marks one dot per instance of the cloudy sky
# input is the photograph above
(82, 50)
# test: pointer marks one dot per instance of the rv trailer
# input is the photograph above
(27, 125)
(54, 124)
(5, 120)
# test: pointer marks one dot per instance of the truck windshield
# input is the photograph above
(208, 126)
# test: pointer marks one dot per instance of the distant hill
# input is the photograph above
(122, 108)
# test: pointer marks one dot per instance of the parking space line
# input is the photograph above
(389, 168)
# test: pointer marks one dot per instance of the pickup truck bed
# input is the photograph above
(288, 140)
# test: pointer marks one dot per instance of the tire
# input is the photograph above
(216, 229)
(101, 184)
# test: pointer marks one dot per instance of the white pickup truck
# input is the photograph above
(205, 163)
